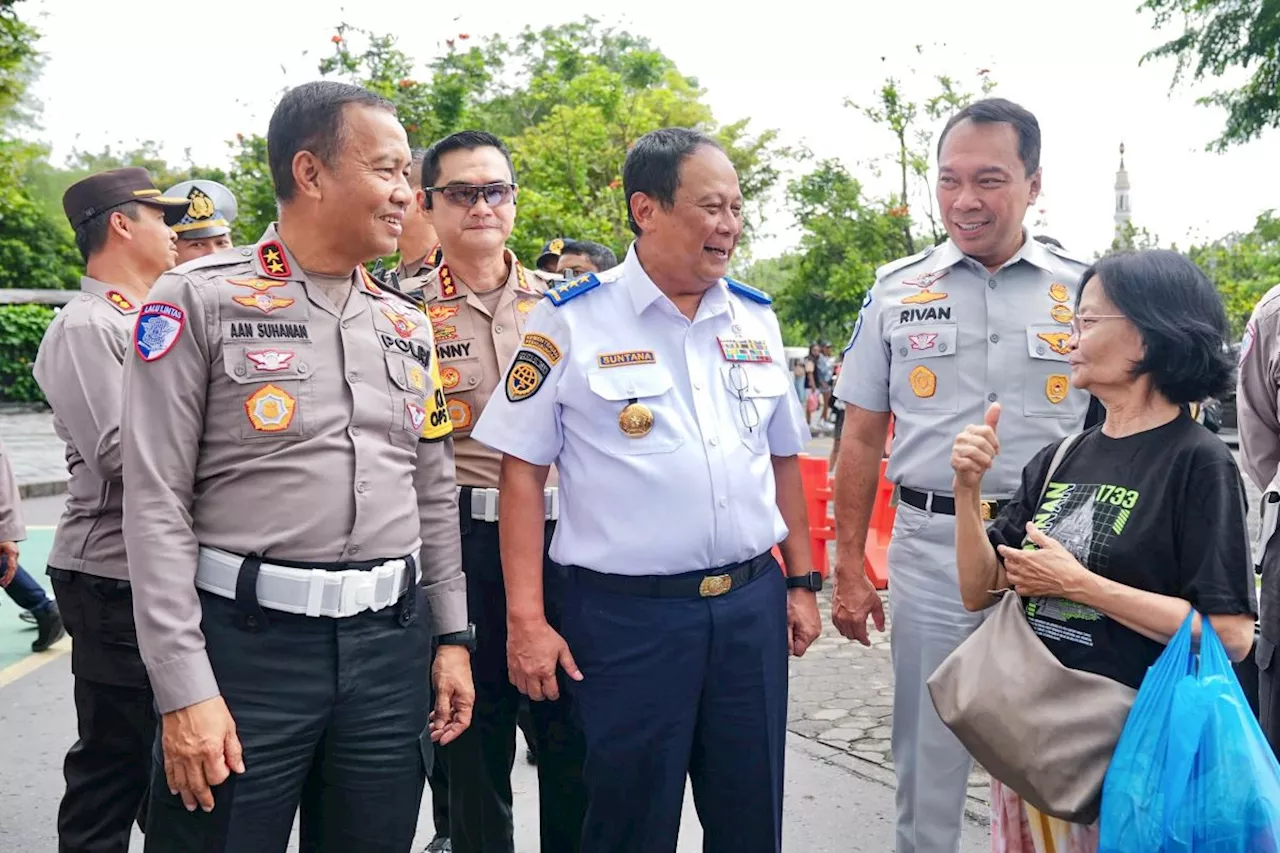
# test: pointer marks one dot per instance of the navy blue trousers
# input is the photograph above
(25, 590)
(678, 688)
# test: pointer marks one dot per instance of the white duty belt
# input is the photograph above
(311, 592)
(484, 503)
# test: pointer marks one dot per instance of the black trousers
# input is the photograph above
(480, 761)
(108, 767)
(338, 706)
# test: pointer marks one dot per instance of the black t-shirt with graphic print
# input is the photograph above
(1162, 511)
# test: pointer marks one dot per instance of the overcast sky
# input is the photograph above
(219, 66)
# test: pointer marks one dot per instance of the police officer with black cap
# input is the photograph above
(123, 228)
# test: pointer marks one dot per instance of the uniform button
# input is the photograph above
(713, 442)
(724, 502)
(902, 351)
(246, 252)
(302, 368)
(471, 381)
(631, 389)
(354, 549)
(942, 347)
(1039, 350)
(355, 431)
(497, 329)
(991, 283)
(240, 370)
(251, 621)
(995, 339)
(346, 324)
(697, 386)
(991, 398)
(86, 298)
(353, 376)
(362, 487)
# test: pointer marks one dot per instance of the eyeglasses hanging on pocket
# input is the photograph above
(747, 410)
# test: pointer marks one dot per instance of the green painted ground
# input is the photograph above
(15, 635)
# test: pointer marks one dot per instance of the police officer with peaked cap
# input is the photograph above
(479, 301)
(293, 529)
(549, 257)
(943, 334)
(206, 226)
(122, 227)
(659, 390)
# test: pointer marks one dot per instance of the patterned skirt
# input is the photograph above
(1018, 827)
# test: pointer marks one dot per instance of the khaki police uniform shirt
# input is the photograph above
(475, 344)
(12, 527)
(78, 369)
(940, 338)
(257, 418)
(1258, 393)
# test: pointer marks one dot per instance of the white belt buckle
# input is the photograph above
(490, 505)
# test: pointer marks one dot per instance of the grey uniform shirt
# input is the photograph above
(259, 419)
(939, 339)
(12, 527)
(78, 369)
(1258, 394)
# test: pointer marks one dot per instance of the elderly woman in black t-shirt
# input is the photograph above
(1145, 517)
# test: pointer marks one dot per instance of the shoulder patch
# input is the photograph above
(225, 258)
(411, 297)
(271, 255)
(561, 294)
(157, 330)
(901, 263)
(748, 292)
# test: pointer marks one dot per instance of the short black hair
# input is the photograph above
(91, 236)
(602, 256)
(463, 140)
(1179, 314)
(1047, 240)
(653, 166)
(1000, 111)
(310, 118)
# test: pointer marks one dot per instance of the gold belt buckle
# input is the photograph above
(713, 585)
(988, 510)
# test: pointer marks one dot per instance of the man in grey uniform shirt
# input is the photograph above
(293, 528)
(982, 318)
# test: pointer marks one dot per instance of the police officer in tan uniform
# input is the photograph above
(419, 248)
(122, 227)
(479, 300)
(293, 531)
(24, 590)
(1258, 417)
(206, 226)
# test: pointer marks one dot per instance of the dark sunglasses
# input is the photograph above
(466, 195)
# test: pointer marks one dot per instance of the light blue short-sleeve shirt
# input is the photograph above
(940, 338)
(695, 489)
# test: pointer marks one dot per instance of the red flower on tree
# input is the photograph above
(336, 39)
(898, 212)
(464, 36)
(406, 83)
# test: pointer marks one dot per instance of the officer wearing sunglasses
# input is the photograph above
(479, 299)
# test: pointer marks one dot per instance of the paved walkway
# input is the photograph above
(841, 692)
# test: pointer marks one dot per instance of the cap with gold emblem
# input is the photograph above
(211, 208)
(550, 252)
(99, 193)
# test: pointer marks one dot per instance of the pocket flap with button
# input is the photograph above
(630, 382)
(757, 380)
(1048, 342)
(408, 375)
(251, 364)
(925, 341)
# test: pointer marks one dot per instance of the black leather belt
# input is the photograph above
(701, 584)
(944, 504)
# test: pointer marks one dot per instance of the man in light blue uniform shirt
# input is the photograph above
(660, 391)
(982, 318)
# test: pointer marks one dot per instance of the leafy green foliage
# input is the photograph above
(1243, 266)
(21, 329)
(1218, 35)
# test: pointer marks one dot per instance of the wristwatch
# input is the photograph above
(811, 581)
(460, 638)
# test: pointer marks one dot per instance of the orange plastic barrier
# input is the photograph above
(817, 493)
(875, 560)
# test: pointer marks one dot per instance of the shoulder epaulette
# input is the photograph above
(410, 297)
(900, 263)
(562, 293)
(225, 258)
(748, 292)
(1063, 253)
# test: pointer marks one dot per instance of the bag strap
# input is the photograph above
(1058, 456)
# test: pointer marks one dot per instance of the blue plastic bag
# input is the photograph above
(1192, 772)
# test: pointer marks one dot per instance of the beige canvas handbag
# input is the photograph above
(1046, 731)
